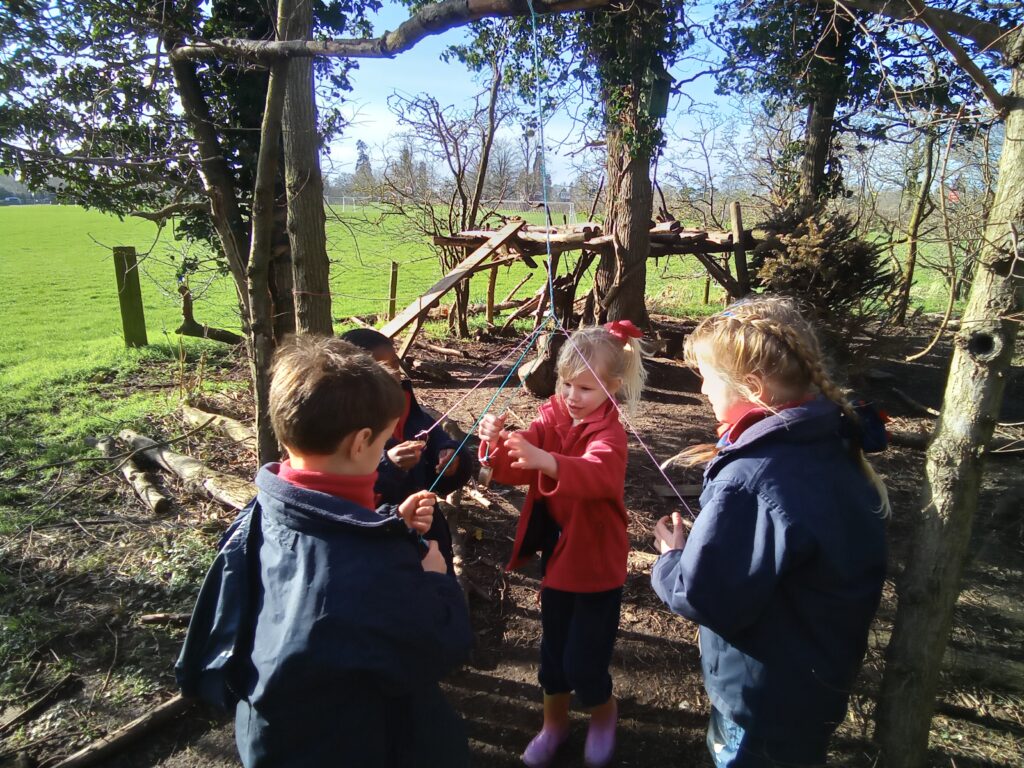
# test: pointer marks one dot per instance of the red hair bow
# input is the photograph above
(623, 329)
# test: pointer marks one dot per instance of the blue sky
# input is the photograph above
(421, 70)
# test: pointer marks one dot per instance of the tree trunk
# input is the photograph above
(983, 349)
(304, 182)
(828, 82)
(218, 180)
(282, 293)
(260, 321)
(921, 209)
(621, 278)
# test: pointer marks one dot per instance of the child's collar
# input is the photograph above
(730, 433)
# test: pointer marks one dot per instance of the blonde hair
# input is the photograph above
(769, 353)
(596, 348)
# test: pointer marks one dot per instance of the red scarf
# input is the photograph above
(355, 488)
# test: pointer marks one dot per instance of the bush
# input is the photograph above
(840, 280)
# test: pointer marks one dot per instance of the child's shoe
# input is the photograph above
(600, 746)
(542, 748)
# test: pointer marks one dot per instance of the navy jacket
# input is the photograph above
(783, 570)
(395, 485)
(319, 625)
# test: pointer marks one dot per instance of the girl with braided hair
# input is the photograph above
(784, 565)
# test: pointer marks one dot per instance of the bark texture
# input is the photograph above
(304, 181)
(983, 350)
(621, 278)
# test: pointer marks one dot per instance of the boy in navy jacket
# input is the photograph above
(321, 621)
(412, 461)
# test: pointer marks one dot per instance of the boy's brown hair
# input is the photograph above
(323, 389)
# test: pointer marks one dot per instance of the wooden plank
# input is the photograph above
(409, 339)
(446, 283)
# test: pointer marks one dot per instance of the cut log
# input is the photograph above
(241, 433)
(140, 481)
(107, 745)
(226, 489)
(441, 350)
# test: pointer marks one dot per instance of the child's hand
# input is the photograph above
(525, 455)
(666, 537)
(433, 561)
(418, 511)
(442, 462)
(492, 429)
(406, 455)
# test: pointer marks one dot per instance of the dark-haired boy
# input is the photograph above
(412, 461)
(321, 622)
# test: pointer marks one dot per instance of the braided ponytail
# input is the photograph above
(766, 340)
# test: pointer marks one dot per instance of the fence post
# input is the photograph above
(492, 279)
(129, 295)
(738, 251)
(393, 291)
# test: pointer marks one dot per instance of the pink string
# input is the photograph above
(446, 414)
(626, 420)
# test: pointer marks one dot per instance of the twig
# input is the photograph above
(165, 618)
(106, 745)
(910, 402)
(36, 706)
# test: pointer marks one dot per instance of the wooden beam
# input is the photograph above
(739, 253)
(423, 304)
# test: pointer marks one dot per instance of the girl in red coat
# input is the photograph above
(573, 457)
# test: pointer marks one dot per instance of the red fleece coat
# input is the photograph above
(586, 501)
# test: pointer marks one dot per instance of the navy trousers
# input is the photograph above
(576, 648)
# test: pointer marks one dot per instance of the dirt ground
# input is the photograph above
(87, 587)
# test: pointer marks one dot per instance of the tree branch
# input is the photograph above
(171, 210)
(960, 56)
(105, 162)
(433, 19)
(988, 36)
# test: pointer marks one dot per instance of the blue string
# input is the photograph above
(512, 370)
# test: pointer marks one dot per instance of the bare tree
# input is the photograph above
(461, 142)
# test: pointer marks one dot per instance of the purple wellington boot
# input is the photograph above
(542, 748)
(600, 746)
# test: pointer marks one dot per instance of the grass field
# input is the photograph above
(61, 348)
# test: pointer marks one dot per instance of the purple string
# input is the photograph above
(626, 419)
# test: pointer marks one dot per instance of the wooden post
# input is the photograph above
(393, 291)
(738, 251)
(129, 295)
(492, 280)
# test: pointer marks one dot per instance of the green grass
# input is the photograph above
(63, 368)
